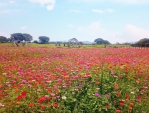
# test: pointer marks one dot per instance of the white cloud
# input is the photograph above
(134, 33)
(94, 29)
(50, 3)
(24, 27)
(4, 34)
(97, 11)
(50, 7)
(130, 34)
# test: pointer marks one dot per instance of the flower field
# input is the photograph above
(74, 80)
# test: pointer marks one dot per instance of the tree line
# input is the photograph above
(144, 42)
(24, 37)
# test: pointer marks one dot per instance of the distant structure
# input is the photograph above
(74, 42)
(58, 44)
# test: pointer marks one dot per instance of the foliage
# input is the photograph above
(142, 43)
(35, 41)
(3, 39)
(44, 39)
(21, 37)
(101, 41)
(27, 37)
(59, 80)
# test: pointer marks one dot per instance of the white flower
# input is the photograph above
(132, 92)
(64, 97)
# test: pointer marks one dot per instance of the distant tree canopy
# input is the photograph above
(35, 41)
(44, 39)
(143, 41)
(101, 41)
(21, 37)
(3, 39)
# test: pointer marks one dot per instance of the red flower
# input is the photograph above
(107, 106)
(118, 111)
(127, 96)
(31, 105)
(19, 97)
(121, 104)
(55, 105)
(42, 107)
(42, 99)
(23, 93)
(118, 93)
(49, 90)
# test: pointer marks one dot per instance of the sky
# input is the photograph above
(60, 20)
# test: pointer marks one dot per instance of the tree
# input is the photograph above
(35, 41)
(3, 39)
(101, 41)
(21, 37)
(142, 43)
(44, 39)
(27, 37)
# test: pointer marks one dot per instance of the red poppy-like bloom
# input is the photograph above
(42, 107)
(55, 105)
(31, 105)
(107, 106)
(19, 97)
(121, 104)
(42, 99)
(127, 96)
(23, 93)
(118, 93)
(118, 111)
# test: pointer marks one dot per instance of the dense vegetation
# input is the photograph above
(84, 80)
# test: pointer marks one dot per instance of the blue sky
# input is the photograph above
(113, 20)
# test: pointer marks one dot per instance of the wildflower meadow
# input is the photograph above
(74, 80)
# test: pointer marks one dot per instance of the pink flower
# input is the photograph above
(96, 94)
(108, 95)
(138, 100)
(1, 105)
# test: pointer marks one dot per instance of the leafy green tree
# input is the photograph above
(3, 39)
(35, 41)
(21, 37)
(44, 39)
(142, 43)
(101, 41)
(27, 37)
